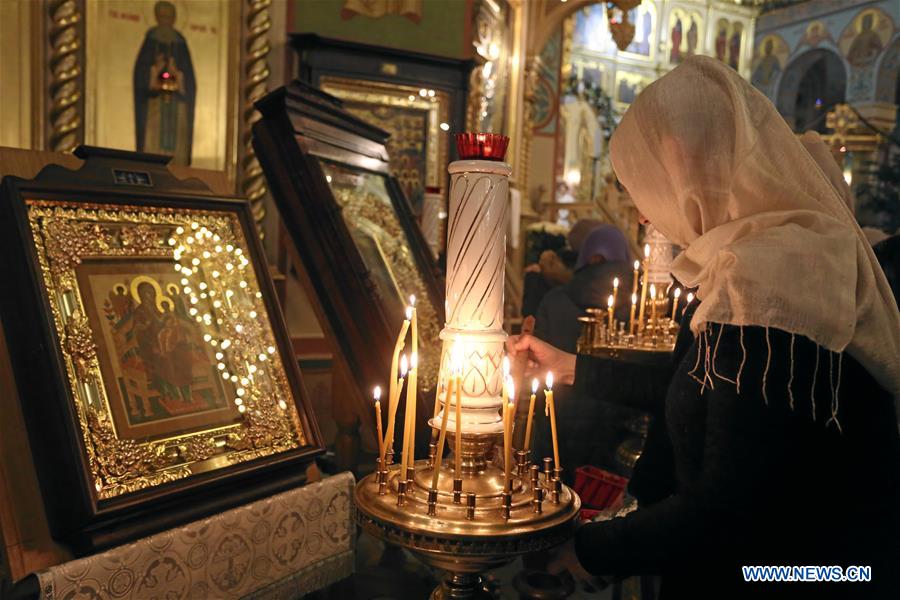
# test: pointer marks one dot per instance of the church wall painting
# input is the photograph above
(685, 35)
(888, 72)
(816, 33)
(628, 86)
(644, 19)
(162, 77)
(728, 41)
(866, 37)
(768, 64)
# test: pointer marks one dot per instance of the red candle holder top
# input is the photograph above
(481, 146)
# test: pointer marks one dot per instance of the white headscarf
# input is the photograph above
(819, 151)
(768, 240)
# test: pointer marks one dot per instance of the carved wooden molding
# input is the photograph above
(255, 56)
(66, 82)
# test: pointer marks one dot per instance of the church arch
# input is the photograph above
(810, 86)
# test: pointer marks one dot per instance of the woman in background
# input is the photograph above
(603, 256)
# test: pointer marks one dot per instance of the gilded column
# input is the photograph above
(65, 75)
(256, 78)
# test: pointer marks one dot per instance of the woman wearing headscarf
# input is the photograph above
(781, 412)
(603, 256)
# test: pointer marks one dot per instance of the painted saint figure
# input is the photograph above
(675, 54)
(867, 45)
(734, 47)
(768, 68)
(722, 40)
(165, 90)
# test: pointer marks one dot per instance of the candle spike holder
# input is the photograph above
(498, 520)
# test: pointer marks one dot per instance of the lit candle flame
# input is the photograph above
(646, 250)
(404, 365)
(637, 265)
(678, 292)
(615, 282)
(511, 394)
(456, 359)
(549, 380)
(534, 385)
(690, 297)
(409, 313)
(634, 298)
(609, 301)
(652, 292)
(377, 393)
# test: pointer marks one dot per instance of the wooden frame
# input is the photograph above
(102, 485)
(303, 137)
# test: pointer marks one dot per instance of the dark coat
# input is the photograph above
(764, 479)
(556, 321)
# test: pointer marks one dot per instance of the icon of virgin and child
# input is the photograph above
(164, 366)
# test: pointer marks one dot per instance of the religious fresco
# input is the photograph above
(644, 19)
(591, 31)
(888, 71)
(771, 56)
(685, 33)
(160, 78)
(815, 33)
(866, 37)
(628, 86)
(727, 43)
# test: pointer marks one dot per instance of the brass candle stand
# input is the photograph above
(488, 527)
(627, 339)
(482, 513)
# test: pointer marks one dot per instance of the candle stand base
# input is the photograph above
(463, 540)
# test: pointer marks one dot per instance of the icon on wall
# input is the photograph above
(165, 90)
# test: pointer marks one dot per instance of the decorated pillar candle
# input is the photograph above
(476, 263)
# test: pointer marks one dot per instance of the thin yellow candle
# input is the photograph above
(458, 463)
(610, 308)
(677, 295)
(637, 268)
(438, 457)
(631, 318)
(409, 434)
(510, 412)
(377, 395)
(404, 368)
(549, 399)
(393, 393)
(534, 388)
(393, 403)
(414, 324)
(644, 286)
(653, 305)
(615, 290)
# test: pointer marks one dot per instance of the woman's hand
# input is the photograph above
(542, 357)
